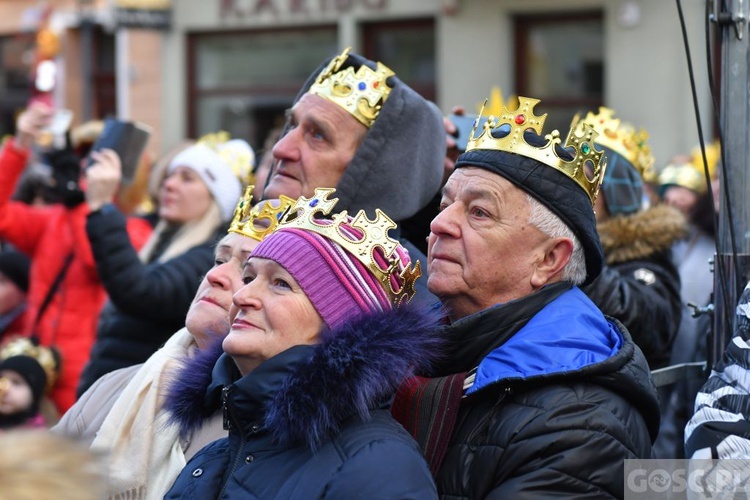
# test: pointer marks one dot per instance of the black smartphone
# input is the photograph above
(128, 140)
(464, 124)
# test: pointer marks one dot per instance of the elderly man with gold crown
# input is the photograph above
(356, 127)
(542, 394)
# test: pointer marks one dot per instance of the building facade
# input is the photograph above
(237, 64)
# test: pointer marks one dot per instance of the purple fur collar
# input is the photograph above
(350, 371)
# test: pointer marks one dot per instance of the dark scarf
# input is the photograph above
(17, 419)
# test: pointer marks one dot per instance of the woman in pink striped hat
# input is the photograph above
(322, 334)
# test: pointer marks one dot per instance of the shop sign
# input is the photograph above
(249, 8)
(153, 14)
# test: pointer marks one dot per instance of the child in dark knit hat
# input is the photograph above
(14, 284)
(26, 372)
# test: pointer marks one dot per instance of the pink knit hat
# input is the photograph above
(339, 286)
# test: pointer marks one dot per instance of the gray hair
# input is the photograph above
(551, 225)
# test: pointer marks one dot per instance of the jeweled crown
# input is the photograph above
(362, 94)
(259, 220)
(375, 236)
(621, 138)
(24, 346)
(513, 124)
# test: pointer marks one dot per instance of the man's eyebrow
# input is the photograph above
(471, 192)
(482, 193)
(325, 126)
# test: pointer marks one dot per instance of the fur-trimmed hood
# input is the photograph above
(640, 235)
(304, 393)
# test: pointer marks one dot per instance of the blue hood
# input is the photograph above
(582, 337)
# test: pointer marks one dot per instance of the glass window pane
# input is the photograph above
(16, 59)
(266, 58)
(241, 115)
(411, 50)
(408, 48)
(566, 59)
(560, 60)
(244, 82)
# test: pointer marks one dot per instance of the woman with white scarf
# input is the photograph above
(120, 414)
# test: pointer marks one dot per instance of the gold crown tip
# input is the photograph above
(622, 138)
(259, 220)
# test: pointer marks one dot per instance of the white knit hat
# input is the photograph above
(224, 169)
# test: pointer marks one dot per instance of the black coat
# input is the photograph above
(147, 303)
(561, 397)
(640, 284)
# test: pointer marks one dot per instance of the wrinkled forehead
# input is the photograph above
(477, 182)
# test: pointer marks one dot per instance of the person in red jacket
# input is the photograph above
(55, 239)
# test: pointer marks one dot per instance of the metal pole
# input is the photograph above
(732, 269)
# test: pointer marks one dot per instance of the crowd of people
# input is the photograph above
(279, 329)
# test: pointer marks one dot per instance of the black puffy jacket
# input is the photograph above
(147, 302)
(561, 396)
(639, 284)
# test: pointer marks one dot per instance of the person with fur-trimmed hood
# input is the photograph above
(322, 335)
(639, 283)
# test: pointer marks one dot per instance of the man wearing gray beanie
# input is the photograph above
(541, 395)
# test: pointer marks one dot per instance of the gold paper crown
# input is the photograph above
(23, 346)
(622, 139)
(713, 156)
(361, 94)
(257, 221)
(375, 235)
(495, 104)
(580, 139)
(239, 160)
(685, 175)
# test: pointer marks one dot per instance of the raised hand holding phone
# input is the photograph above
(103, 178)
(128, 140)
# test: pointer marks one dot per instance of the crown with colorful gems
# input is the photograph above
(580, 139)
(258, 221)
(622, 139)
(361, 94)
(24, 346)
(240, 161)
(374, 236)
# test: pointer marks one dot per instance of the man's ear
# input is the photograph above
(557, 254)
